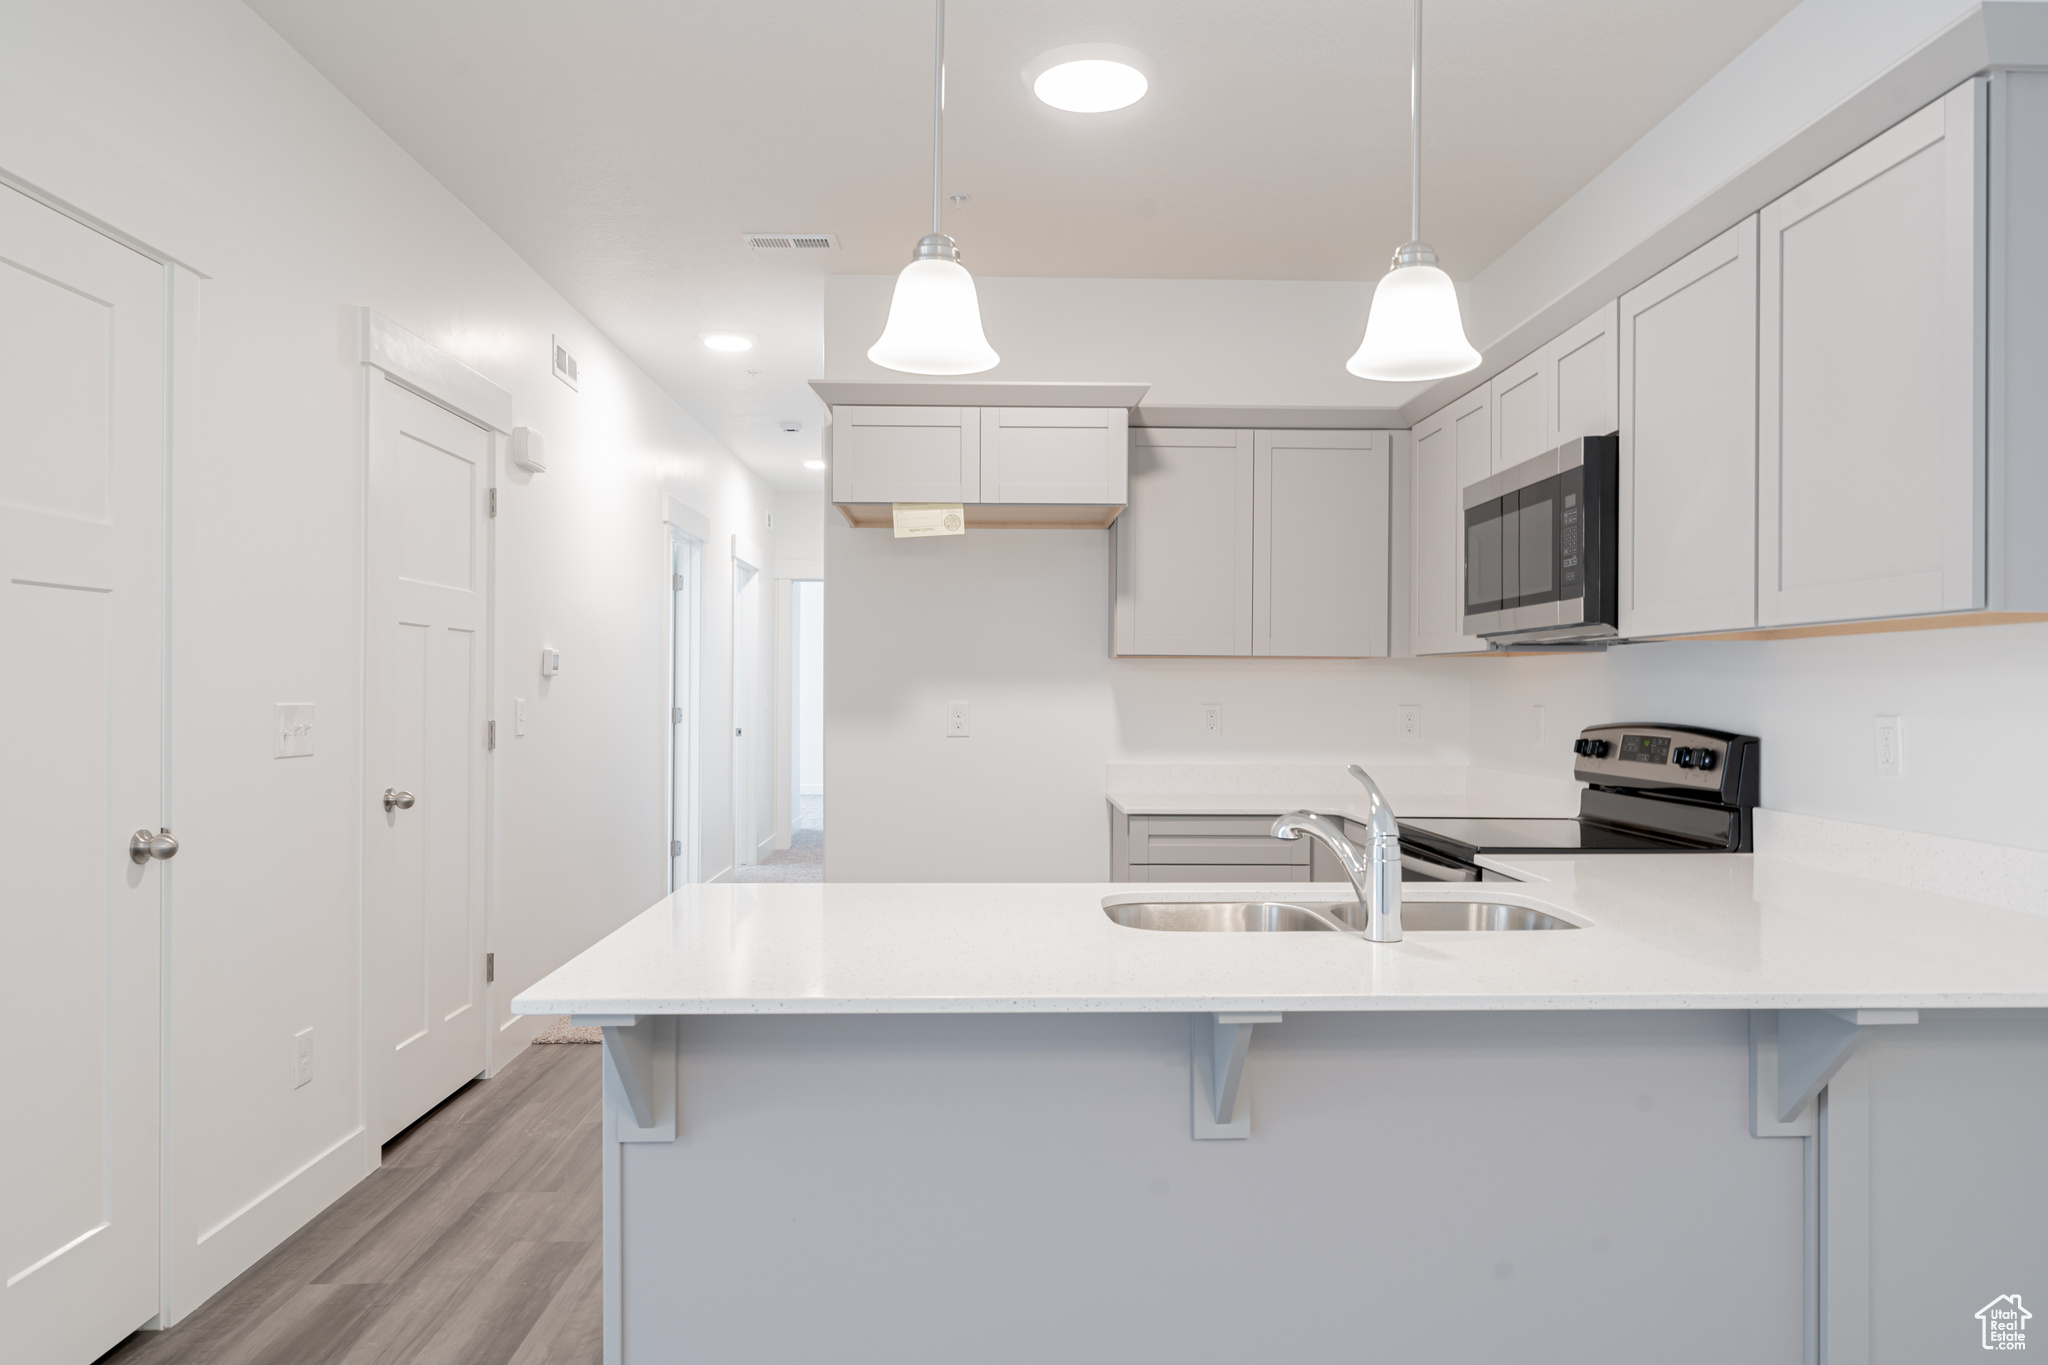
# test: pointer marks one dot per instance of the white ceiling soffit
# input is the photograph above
(625, 147)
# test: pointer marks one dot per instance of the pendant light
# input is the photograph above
(934, 322)
(1414, 330)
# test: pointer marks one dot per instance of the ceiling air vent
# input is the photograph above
(792, 241)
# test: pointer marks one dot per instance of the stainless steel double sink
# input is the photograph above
(1271, 917)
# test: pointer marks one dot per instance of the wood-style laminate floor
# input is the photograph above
(477, 1243)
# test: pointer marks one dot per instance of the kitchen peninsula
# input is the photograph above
(932, 1113)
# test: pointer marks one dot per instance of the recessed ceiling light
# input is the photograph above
(1089, 78)
(814, 464)
(727, 341)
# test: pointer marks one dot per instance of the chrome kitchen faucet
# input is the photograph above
(1375, 874)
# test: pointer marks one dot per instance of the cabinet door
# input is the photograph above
(1581, 370)
(906, 454)
(1319, 544)
(1520, 401)
(1436, 607)
(1054, 455)
(1183, 546)
(1870, 454)
(1688, 443)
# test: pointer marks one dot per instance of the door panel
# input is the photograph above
(1054, 455)
(1183, 556)
(82, 421)
(429, 477)
(906, 454)
(1319, 544)
(1520, 398)
(1582, 371)
(1688, 443)
(1871, 464)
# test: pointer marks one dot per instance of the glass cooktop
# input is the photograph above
(1469, 837)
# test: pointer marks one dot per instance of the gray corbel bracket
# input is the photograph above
(639, 1073)
(1793, 1054)
(1220, 1103)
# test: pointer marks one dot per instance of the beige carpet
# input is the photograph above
(804, 859)
(562, 1031)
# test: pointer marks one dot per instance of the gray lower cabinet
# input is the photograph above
(1224, 849)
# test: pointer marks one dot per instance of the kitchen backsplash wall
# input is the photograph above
(1970, 702)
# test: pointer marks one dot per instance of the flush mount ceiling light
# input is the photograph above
(728, 341)
(1089, 78)
(814, 464)
(1414, 330)
(934, 322)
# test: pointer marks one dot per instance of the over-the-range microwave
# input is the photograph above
(1541, 547)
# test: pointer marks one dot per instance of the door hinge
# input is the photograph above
(676, 583)
(490, 967)
(490, 734)
(676, 717)
(494, 502)
(675, 848)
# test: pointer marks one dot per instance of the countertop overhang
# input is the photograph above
(1665, 931)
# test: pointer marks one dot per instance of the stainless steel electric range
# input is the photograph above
(1650, 789)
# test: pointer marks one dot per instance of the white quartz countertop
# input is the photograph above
(1660, 931)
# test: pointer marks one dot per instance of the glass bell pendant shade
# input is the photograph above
(1414, 331)
(935, 318)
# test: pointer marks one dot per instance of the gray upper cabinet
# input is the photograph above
(1319, 543)
(1451, 451)
(1871, 369)
(1054, 455)
(1688, 442)
(1182, 550)
(1566, 389)
(1266, 543)
(906, 454)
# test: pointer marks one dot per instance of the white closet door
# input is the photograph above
(1582, 370)
(1688, 443)
(1183, 547)
(1319, 544)
(426, 663)
(82, 416)
(1871, 453)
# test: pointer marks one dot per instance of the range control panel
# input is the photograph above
(1713, 763)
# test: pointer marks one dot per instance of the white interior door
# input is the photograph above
(82, 422)
(427, 661)
(746, 672)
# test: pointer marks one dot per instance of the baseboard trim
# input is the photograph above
(227, 1248)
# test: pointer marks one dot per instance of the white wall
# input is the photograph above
(1016, 624)
(800, 531)
(1972, 703)
(189, 124)
(810, 688)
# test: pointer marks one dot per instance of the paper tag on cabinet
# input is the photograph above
(929, 519)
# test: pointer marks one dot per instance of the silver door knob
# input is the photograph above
(394, 799)
(143, 846)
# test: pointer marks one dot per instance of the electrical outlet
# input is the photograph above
(302, 1057)
(956, 720)
(1890, 746)
(1411, 722)
(1212, 718)
(294, 730)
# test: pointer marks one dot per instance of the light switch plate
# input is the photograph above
(956, 720)
(294, 729)
(518, 717)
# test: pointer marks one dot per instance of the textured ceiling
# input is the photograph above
(622, 146)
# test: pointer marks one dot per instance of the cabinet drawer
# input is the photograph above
(1212, 839)
(1224, 874)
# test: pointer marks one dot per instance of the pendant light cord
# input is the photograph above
(1414, 128)
(939, 107)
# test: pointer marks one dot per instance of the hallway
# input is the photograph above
(476, 1243)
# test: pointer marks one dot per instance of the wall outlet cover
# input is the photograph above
(1888, 746)
(1411, 722)
(294, 729)
(956, 720)
(302, 1057)
(1212, 718)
